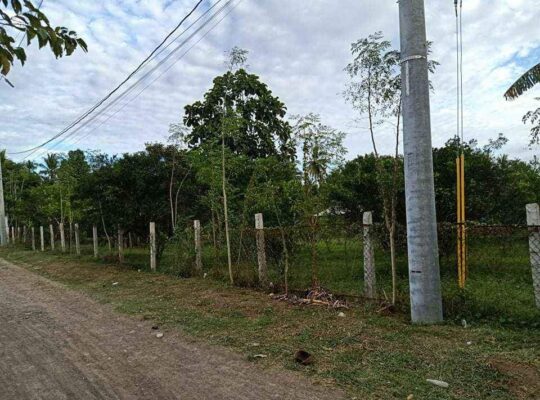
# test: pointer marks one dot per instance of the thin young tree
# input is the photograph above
(322, 150)
(236, 58)
(375, 91)
(177, 136)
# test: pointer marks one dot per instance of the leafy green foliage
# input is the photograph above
(244, 106)
(497, 188)
(29, 21)
(524, 83)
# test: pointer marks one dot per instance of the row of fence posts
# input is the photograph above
(16, 237)
(533, 221)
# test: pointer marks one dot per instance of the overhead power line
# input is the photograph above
(99, 103)
(102, 111)
(85, 135)
(139, 81)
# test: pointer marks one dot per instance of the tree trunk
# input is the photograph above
(225, 208)
(391, 235)
(314, 260)
(171, 203)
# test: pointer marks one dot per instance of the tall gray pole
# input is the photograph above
(423, 252)
(3, 240)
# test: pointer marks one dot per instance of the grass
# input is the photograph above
(370, 356)
(499, 286)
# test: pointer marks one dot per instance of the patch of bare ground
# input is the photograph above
(521, 379)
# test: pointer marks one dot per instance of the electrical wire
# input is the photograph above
(156, 78)
(102, 111)
(461, 65)
(457, 78)
(133, 86)
(99, 103)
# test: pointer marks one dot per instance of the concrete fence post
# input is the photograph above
(120, 245)
(7, 229)
(33, 239)
(198, 247)
(42, 238)
(13, 235)
(533, 220)
(153, 246)
(51, 232)
(77, 240)
(95, 241)
(261, 250)
(62, 237)
(369, 257)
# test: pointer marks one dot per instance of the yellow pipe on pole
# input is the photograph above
(461, 229)
(458, 215)
(463, 220)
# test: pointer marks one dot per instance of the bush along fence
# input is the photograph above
(349, 260)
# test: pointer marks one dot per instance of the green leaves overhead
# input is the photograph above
(244, 109)
(34, 25)
(524, 83)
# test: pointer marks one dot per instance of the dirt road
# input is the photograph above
(59, 344)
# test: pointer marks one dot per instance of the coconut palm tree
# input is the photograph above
(524, 83)
(50, 165)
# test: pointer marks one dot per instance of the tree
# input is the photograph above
(241, 101)
(50, 165)
(375, 91)
(240, 115)
(29, 21)
(524, 83)
(177, 134)
(322, 151)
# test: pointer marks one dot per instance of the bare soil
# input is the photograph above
(56, 344)
(523, 380)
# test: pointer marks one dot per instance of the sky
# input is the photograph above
(298, 48)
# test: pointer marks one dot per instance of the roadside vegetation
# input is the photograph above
(369, 354)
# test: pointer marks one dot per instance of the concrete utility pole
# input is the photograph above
(423, 252)
(3, 239)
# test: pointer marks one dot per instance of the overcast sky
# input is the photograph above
(299, 48)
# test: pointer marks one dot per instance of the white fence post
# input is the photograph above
(13, 235)
(7, 229)
(261, 250)
(95, 241)
(153, 246)
(533, 220)
(51, 231)
(120, 245)
(369, 258)
(42, 238)
(33, 239)
(198, 247)
(62, 237)
(77, 240)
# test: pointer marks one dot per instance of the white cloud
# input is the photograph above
(299, 48)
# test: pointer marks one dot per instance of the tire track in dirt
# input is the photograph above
(60, 344)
